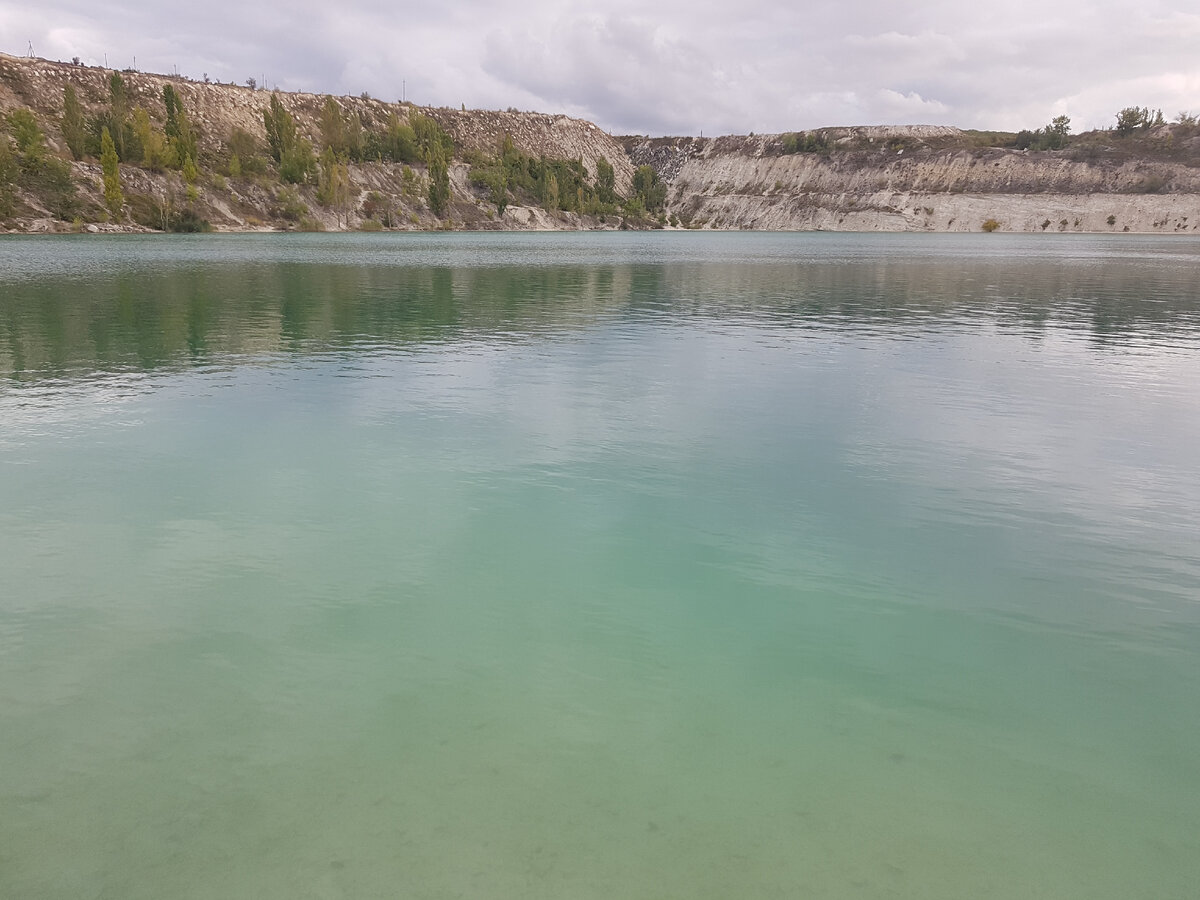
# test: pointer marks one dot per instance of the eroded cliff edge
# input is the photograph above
(923, 178)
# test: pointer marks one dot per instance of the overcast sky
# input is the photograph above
(666, 66)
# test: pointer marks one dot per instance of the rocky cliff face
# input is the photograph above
(889, 178)
(924, 179)
(215, 110)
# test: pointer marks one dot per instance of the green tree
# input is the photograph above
(33, 168)
(27, 134)
(334, 127)
(114, 199)
(118, 104)
(1129, 119)
(548, 193)
(397, 143)
(500, 193)
(649, 189)
(280, 127)
(54, 187)
(805, 142)
(333, 183)
(325, 168)
(73, 128)
(1134, 118)
(1057, 131)
(181, 137)
(154, 145)
(355, 140)
(495, 179)
(404, 142)
(430, 137)
(439, 180)
(173, 104)
(9, 171)
(605, 181)
(409, 182)
(299, 163)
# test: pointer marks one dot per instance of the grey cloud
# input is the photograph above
(672, 67)
(626, 72)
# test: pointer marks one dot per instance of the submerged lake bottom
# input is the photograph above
(599, 565)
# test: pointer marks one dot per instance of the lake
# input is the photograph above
(626, 565)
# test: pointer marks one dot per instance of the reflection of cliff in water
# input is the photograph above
(206, 315)
(202, 313)
(1106, 300)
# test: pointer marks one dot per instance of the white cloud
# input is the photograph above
(910, 107)
(927, 48)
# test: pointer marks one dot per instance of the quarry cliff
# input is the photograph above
(365, 163)
(922, 178)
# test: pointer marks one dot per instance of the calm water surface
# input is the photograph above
(599, 566)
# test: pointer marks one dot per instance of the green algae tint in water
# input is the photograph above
(635, 566)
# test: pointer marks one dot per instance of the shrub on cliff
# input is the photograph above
(246, 151)
(1053, 137)
(167, 215)
(1133, 118)
(299, 163)
(495, 179)
(289, 205)
(154, 145)
(805, 142)
(341, 131)
(379, 208)
(55, 188)
(26, 162)
(27, 133)
(333, 183)
(396, 143)
(188, 221)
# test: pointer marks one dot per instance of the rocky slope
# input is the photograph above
(243, 203)
(893, 178)
(928, 179)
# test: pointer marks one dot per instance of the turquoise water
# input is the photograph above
(596, 566)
